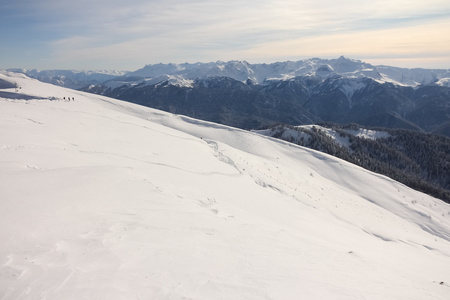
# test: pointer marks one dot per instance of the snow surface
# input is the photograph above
(103, 199)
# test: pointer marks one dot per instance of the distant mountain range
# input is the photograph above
(251, 96)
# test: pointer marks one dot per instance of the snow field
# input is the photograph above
(106, 199)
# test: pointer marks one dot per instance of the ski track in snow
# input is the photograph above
(103, 199)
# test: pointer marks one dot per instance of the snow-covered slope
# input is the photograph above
(103, 199)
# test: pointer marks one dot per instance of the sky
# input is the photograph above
(126, 35)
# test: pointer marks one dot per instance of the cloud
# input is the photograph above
(404, 46)
(144, 31)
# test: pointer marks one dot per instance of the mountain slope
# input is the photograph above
(418, 160)
(107, 199)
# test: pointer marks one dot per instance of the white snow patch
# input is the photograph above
(181, 82)
(369, 134)
(444, 82)
(350, 87)
(340, 140)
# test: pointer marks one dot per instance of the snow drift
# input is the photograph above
(103, 199)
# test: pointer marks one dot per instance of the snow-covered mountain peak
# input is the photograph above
(344, 65)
